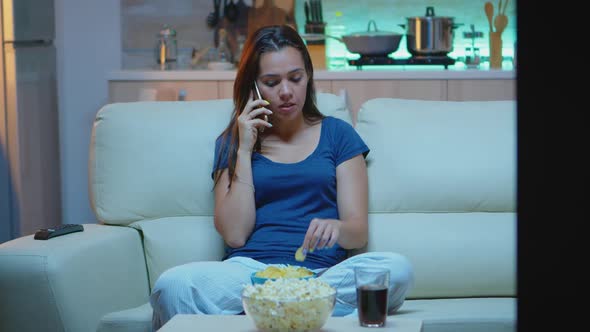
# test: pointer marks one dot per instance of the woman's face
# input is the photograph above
(283, 82)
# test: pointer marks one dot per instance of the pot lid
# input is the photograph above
(167, 31)
(430, 15)
(370, 33)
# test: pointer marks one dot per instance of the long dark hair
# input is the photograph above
(264, 40)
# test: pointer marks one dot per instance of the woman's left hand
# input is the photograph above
(321, 233)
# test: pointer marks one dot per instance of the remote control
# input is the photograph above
(48, 233)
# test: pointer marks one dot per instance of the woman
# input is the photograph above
(286, 177)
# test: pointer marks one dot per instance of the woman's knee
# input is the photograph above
(401, 267)
(179, 281)
(401, 270)
(169, 286)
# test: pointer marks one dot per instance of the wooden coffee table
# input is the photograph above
(242, 323)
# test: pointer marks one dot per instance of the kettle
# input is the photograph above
(166, 46)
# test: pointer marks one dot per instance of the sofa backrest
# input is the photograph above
(433, 156)
(442, 191)
(441, 184)
(150, 168)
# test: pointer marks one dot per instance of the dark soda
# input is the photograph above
(372, 304)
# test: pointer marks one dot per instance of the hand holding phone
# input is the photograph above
(256, 95)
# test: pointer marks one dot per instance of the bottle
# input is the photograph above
(476, 57)
(336, 51)
(166, 46)
(224, 54)
(181, 95)
(162, 59)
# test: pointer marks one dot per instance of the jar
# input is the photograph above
(166, 49)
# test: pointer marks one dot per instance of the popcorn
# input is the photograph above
(289, 304)
(289, 289)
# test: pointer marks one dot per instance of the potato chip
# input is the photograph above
(299, 256)
(288, 271)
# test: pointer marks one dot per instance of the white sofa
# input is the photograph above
(442, 181)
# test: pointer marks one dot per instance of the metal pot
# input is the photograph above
(372, 43)
(430, 35)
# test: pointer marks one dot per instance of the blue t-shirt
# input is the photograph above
(289, 196)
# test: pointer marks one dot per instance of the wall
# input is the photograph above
(88, 47)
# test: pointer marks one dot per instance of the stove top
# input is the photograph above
(441, 60)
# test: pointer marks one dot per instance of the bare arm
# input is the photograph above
(235, 208)
(353, 201)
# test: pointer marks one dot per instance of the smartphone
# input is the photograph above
(256, 95)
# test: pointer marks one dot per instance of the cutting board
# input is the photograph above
(271, 12)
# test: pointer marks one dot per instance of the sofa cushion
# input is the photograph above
(440, 156)
(137, 319)
(173, 241)
(154, 159)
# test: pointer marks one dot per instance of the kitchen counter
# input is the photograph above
(367, 73)
(408, 82)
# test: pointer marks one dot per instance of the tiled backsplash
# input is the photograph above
(142, 19)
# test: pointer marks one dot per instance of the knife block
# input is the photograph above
(317, 52)
(317, 45)
(495, 50)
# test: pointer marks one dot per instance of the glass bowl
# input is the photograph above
(292, 307)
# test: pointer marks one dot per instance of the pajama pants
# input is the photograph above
(215, 287)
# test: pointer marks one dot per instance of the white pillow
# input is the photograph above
(332, 105)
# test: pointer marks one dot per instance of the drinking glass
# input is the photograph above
(372, 287)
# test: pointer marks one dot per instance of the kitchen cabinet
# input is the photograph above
(323, 86)
(226, 89)
(359, 91)
(459, 90)
(357, 86)
(126, 91)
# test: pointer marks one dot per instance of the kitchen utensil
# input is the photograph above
(197, 55)
(430, 35)
(500, 23)
(213, 17)
(230, 10)
(267, 14)
(489, 8)
(371, 43)
(495, 50)
(504, 7)
(312, 12)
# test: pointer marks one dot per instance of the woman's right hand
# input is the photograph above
(249, 123)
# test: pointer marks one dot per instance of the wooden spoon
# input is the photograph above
(489, 8)
(504, 7)
(500, 22)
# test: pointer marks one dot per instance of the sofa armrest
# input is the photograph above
(69, 282)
